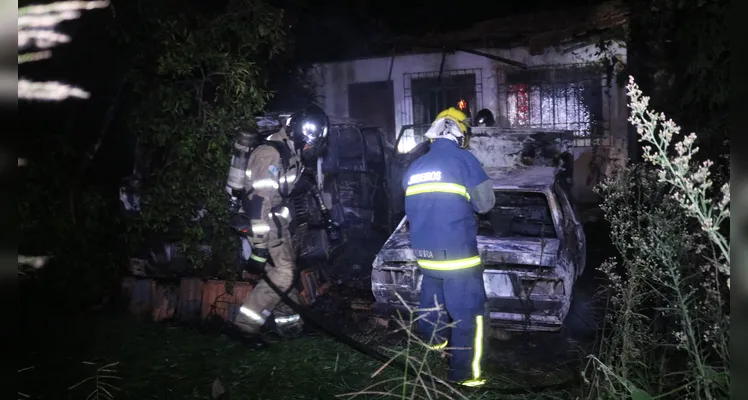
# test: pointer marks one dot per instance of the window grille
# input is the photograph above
(426, 95)
(564, 98)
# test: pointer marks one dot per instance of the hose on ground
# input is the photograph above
(317, 320)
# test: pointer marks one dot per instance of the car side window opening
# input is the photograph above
(374, 152)
(519, 214)
(563, 198)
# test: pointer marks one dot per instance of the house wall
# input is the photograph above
(593, 160)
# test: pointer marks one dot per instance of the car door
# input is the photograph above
(376, 159)
(348, 173)
(573, 228)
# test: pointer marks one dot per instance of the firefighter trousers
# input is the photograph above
(263, 302)
(462, 295)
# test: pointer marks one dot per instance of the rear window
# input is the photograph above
(519, 214)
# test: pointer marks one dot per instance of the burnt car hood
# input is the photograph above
(515, 250)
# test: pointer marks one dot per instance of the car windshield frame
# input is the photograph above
(553, 206)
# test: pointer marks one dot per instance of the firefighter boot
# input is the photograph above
(247, 331)
(287, 322)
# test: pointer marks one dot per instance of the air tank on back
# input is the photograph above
(243, 145)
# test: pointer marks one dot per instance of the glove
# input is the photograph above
(240, 223)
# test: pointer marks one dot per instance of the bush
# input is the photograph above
(197, 73)
(669, 286)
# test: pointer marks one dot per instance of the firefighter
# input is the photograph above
(273, 168)
(485, 118)
(443, 190)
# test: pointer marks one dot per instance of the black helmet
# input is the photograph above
(484, 118)
(309, 126)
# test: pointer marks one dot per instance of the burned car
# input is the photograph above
(354, 175)
(531, 243)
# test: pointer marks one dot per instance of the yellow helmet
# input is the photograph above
(450, 124)
(456, 116)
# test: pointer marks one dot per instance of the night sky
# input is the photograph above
(345, 25)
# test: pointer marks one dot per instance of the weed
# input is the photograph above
(416, 356)
(101, 388)
(669, 288)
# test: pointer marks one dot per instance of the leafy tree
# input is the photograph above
(198, 71)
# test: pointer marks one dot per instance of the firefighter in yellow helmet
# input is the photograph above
(443, 190)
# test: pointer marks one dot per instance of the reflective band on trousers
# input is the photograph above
(252, 315)
(287, 320)
(437, 187)
(477, 347)
(450, 264)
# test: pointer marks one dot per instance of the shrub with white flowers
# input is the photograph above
(668, 299)
(691, 183)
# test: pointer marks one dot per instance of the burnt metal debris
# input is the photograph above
(532, 243)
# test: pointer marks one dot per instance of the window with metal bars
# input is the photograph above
(429, 95)
(566, 98)
(433, 95)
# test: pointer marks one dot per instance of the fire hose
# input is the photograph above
(337, 334)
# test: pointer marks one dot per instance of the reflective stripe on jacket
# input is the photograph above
(267, 182)
(443, 223)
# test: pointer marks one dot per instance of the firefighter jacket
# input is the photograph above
(272, 171)
(443, 190)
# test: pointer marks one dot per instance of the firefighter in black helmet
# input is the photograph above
(273, 169)
(484, 118)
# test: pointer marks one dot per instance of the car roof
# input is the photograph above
(531, 178)
(334, 120)
(347, 121)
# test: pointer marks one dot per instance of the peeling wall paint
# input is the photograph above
(592, 160)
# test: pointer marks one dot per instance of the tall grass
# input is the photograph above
(669, 288)
(415, 355)
(100, 385)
